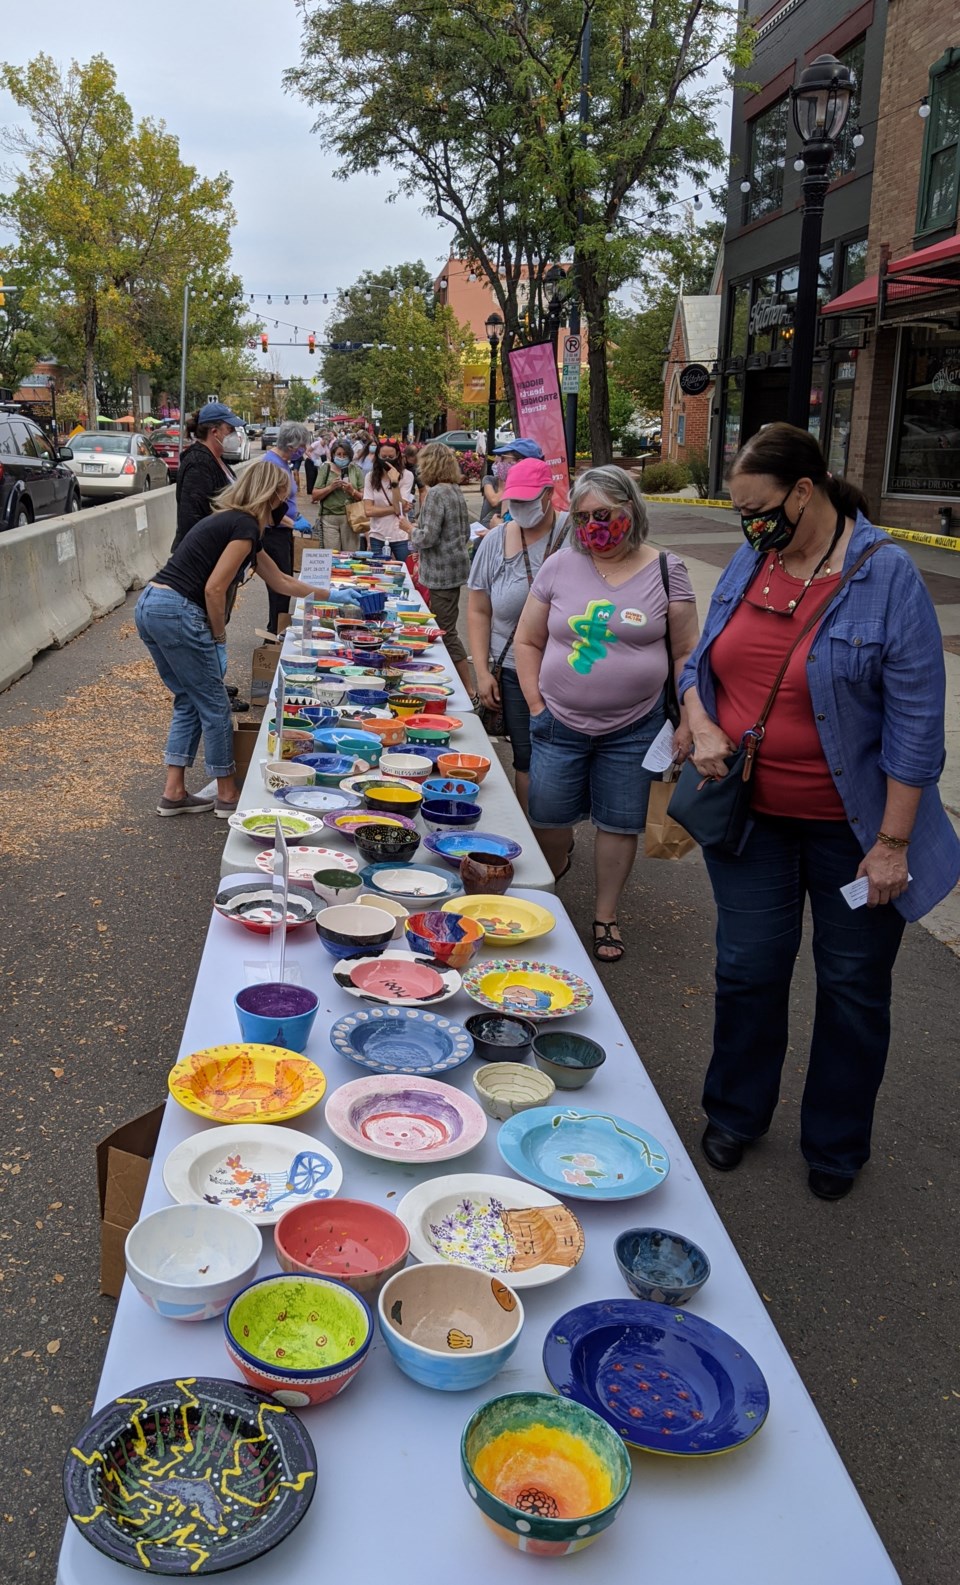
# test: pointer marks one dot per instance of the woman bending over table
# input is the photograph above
(844, 787)
(591, 656)
(182, 617)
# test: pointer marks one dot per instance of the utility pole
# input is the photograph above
(573, 399)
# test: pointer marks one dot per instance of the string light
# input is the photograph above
(858, 139)
(923, 109)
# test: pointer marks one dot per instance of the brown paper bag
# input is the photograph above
(663, 838)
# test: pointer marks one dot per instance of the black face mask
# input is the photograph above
(771, 529)
(278, 514)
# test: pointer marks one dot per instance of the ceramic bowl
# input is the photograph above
(371, 604)
(571, 1060)
(336, 885)
(295, 742)
(447, 937)
(386, 844)
(498, 1037)
(317, 715)
(328, 770)
(393, 800)
(449, 1327)
(274, 1014)
(438, 736)
(329, 693)
(367, 698)
(409, 767)
(260, 825)
(405, 705)
(450, 814)
(452, 788)
(411, 617)
(299, 1337)
(251, 903)
(349, 740)
(547, 1475)
(661, 1266)
(349, 931)
(358, 1244)
(506, 1088)
(279, 773)
(389, 906)
(390, 733)
(188, 1261)
(474, 766)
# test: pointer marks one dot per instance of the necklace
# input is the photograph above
(821, 567)
(600, 572)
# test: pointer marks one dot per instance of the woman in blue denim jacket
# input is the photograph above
(845, 787)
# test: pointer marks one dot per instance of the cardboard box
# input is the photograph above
(123, 1167)
(262, 671)
(302, 543)
(245, 735)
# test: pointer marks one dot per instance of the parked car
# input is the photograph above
(35, 476)
(254, 431)
(109, 465)
(236, 447)
(269, 437)
(166, 445)
(457, 440)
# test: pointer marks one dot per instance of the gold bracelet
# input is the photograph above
(892, 842)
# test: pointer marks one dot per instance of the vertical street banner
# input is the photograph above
(540, 410)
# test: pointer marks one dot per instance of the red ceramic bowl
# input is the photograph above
(472, 766)
(359, 1244)
(433, 722)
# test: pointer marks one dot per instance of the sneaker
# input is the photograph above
(238, 706)
(226, 807)
(190, 805)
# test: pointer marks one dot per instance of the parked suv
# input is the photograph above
(35, 481)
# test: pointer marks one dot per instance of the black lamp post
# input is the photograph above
(552, 279)
(820, 104)
(51, 382)
(494, 329)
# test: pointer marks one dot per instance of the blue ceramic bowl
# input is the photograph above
(416, 1308)
(453, 846)
(372, 604)
(569, 1059)
(329, 769)
(450, 814)
(451, 788)
(661, 1266)
(401, 1040)
(271, 1014)
(349, 931)
(319, 715)
(349, 740)
(367, 698)
(449, 938)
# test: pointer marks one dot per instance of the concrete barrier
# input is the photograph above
(59, 575)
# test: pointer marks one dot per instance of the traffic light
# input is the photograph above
(264, 341)
(311, 344)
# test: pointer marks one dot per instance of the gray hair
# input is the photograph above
(292, 435)
(615, 487)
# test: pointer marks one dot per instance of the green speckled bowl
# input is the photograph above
(300, 1338)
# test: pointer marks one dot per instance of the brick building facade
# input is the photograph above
(685, 429)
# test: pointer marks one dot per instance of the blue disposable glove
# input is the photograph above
(222, 658)
(302, 526)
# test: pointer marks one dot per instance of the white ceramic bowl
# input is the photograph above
(188, 1261)
(283, 773)
(412, 767)
(506, 1088)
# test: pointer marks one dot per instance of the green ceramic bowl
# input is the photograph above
(300, 1338)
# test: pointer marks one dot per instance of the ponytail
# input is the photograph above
(788, 454)
(846, 497)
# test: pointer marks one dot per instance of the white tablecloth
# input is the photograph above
(390, 1505)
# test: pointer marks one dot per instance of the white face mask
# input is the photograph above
(529, 514)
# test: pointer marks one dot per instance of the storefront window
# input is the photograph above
(925, 454)
(732, 415)
(765, 162)
(838, 440)
(854, 263)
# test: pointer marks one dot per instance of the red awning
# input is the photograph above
(856, 300)
(925, 266)
(927, 258)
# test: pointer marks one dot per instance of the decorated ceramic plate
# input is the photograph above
(412, 882)
(426, 668)
(582, 1154)
(258, 1170)
(261, 824)
(246, 1084)
(402, 1118)
(666, 1380)
(401, 1040)
(317, 800)
(304, 862)
(504, 918)
(348, 821)
(453, 846)
(516, 985)
(397, 979)
(237, 1462)
(492, 1224)
(358, 784)
(248, 900)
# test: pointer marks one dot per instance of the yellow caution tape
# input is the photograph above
(911, 535)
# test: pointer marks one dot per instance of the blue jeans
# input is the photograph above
(760, 899)
(398, 548)
(516, 718)
(178, 636)
(576, 775)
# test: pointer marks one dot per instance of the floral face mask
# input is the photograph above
(602, 529)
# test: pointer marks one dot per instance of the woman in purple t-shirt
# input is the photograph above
(591, 656)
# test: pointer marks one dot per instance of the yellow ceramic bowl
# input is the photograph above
(503, 918)
(416, 618)
(246, 1084)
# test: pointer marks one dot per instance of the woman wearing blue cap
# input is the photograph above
(491, 485)
(202, 473)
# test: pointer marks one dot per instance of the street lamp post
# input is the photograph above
(552, 279)
(820, 104)
(53, 408)
(494, 329)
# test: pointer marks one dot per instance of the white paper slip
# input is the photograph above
(855, 893)
(659, 755)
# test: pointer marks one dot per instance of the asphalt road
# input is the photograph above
(105, 908)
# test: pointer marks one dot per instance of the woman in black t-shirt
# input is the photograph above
(182, 616)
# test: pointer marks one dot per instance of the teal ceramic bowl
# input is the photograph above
(569, 1059)
(548, 1475)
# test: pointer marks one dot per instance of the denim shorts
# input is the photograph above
(578, 776)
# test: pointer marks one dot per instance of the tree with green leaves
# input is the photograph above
(359, 317)
(418, 373)
(105, 212)
(301, 399)
(475, 102)
(24, 336)
(679, 261)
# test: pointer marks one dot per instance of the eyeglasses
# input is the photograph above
(603, 514)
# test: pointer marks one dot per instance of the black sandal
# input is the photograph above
(606, 939)
(566, 867)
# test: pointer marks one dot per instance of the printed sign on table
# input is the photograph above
(316, 568)
(540, 411)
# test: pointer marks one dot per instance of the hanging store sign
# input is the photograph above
(694, 379)
(769, 315)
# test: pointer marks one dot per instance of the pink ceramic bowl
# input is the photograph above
(359, 1244)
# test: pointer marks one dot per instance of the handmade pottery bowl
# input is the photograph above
(358, 1244)
(274, 1014)
(438, 736)
(251, 903)
(278, 773)
(348, 740)
(188, 1261)
(450, 814)
(482, 875)
(452, 788)
(449, 1327)
(298, 1337)
(386, 844)
(411, 767)
(547, 1475)
(475, 766)
(317, 715)
(405, 705)
(393, 800)
(447, 937)
(367, 698)
(337, 886)
(498, 1037)
(661, 1266)
(387, 905)
(371, 604)
(506, 1088)
(329, 693)
(328, 770)
(349, 931)
(390, 733)
(570, 1060)
(294, 742)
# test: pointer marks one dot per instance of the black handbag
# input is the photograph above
(715, 812)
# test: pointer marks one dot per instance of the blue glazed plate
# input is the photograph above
(455, 845)
(582, 1154)
(666, 1380)
(319, 800)
(401, 1040)
(418, 883)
